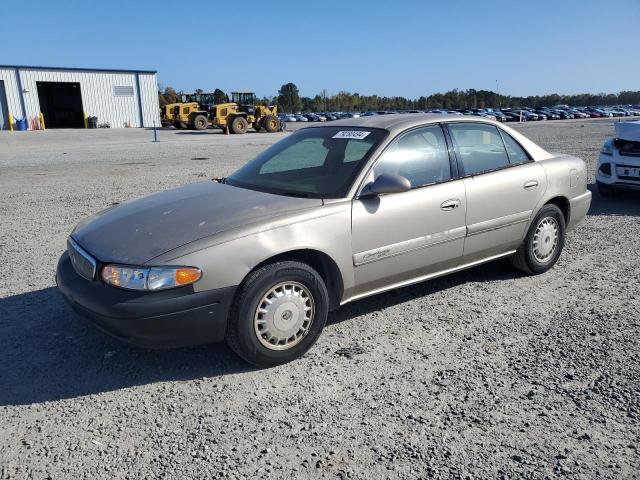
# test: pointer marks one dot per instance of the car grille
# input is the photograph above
(82, 262)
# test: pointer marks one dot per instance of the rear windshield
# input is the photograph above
(628, 148)
(317, 162)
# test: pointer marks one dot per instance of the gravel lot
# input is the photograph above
(482, 374)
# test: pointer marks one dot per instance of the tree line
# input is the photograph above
(289, 100)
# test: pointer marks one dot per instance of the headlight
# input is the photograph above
(153, 278)
(607, 149)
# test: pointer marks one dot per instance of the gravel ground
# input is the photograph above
(481, 374)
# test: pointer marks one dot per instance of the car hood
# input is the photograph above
(139, 230)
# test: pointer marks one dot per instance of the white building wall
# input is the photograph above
(98, 98)
(8, 75)
(149, 95)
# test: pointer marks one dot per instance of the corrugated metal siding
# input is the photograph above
(11, 87)
(149, 95)
(98, 98)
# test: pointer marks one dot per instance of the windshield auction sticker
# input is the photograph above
(355, 134)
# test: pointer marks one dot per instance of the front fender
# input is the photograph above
(226, 263)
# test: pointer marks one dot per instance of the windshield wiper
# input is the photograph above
(294, 194)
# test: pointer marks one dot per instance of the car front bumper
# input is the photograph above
(164, 319)
(617, 178)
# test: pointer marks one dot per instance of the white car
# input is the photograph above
(619, 162)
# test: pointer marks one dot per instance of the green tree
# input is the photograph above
(170, 95)
(289, 98)
(219, 96)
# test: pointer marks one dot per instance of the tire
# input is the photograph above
(534, 259)
(605, 190)
(271, 123)
(257, 127)
(238, 125)
(200, 122)
(246, 321)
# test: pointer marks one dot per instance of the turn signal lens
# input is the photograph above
(154, 278)
(185, 276)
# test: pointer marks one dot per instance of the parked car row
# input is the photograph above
(523, 114)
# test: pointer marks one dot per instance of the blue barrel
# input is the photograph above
(21, 124)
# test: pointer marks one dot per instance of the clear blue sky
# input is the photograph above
(407, 48)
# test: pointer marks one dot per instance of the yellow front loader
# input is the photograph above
(167, 113)
(194, 111)
(242, 113)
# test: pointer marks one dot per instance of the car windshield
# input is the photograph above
(317, 162)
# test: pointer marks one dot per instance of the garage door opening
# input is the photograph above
(61, 104)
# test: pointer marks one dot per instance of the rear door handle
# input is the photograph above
(450, 204)
(531, 185)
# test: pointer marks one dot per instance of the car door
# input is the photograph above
(502, 184)
(402, 236)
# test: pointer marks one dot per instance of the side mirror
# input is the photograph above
(386, 183)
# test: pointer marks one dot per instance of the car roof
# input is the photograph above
(396, 124)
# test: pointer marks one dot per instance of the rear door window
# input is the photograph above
(479, 147)
(517, 155)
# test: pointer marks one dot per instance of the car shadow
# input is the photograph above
(198, 132)
(488, 272)
(623, 203)
(50, 353)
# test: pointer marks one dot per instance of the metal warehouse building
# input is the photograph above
(66, 97)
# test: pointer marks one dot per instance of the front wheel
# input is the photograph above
(200, 122)
(544, 242)
(239, 125)
(271, 123)
(278, 314)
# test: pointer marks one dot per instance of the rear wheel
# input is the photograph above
(271, 123)
(278, 314)
(544, 242)
(605, 190)
(200, 122)
(238, 125)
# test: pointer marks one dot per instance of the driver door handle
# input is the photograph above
(531, 185)
(450, 204)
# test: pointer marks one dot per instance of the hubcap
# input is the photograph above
(284, 315)
(545, 239)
